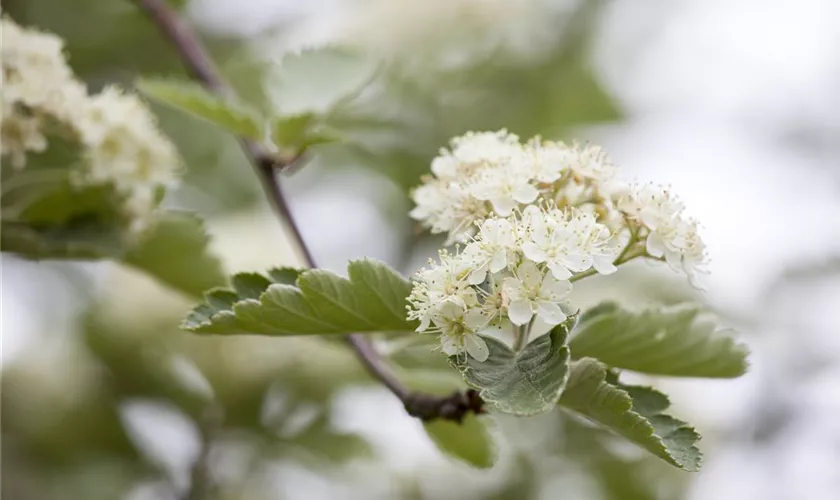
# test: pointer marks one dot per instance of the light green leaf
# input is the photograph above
(299, 132)
(319, 302)
(632, 412)
(469, 441)
(226, 113)
(174, 250)
(673, 340)
(317, 80)
(521, 384)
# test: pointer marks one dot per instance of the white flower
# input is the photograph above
(671, 236)
(478, 168)
(118, 136)
(439, 284)
(532, 291)
(505, 188)
(457, 327)
(446, 207)
(567, 242)
(589, 161)
(550, 159)
(489, 251)
(514, 273)
(38, 88)
(486, 147)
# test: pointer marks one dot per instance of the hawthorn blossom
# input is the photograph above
(568, 242)
(533, 291)
(672, 236)
(550, 160)
(505, 188)
(533, 218)
(489, 252)
(589, 161)
(457, 327)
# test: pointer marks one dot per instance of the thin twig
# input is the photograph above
(198, 63)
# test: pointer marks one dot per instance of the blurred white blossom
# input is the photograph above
(450, 33)
(116, 133)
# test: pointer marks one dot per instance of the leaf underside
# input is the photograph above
(312, 302)
(674, 340)
(636, 413)
(524, 384)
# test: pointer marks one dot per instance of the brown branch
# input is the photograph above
(200, 66)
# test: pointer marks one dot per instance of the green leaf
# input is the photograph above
(469, 441)
(226, 113)
(317, 80)
(82, 239)
(673, 340)
(521, 384)
(174, 250)
(46, 217)
(319, 302)
(632, 412)
(298, 132)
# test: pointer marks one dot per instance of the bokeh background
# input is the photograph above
(732, 102)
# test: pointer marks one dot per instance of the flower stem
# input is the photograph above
(520, 336)
(198, 63)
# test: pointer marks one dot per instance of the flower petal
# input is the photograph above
(650, 217)
(449, 345)
(525, 193)
(577, 262)
(559, 271)
(533, 252)
(551, 313)
(476, 347)
(499, 261)
(674, 260)
(554, 289)
(477, 277)
(654, 245)
(529, 274)
(475, 319)
(604, 265)
(520, 312)
(503, 205)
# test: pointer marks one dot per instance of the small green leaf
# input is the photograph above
(524, 384)
(469, 441)
(673, 340)
(288, 302)
(299, 132)
(187, 96)
(174, 250)
(632, 412)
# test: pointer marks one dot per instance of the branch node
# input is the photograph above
(454, 407)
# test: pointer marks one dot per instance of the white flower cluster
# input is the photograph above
(533, 218)
(115, 131)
